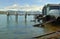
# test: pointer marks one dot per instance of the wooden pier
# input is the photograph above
(16, 14)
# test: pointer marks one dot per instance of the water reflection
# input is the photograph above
(12, 28)
(20, 29)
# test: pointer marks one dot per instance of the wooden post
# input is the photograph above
(7, 14)
(35, 17)
(16, 16)
(7, 17)
(25, 16)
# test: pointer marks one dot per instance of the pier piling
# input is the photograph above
(7, 15)
(16, 16)
(25, 16)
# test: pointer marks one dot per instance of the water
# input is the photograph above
(21, 29)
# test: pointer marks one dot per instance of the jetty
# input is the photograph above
(16, 14)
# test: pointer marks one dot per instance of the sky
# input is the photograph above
(27, 4)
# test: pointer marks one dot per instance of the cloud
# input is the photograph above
(42, 0)
(48, 1)
(26, 7)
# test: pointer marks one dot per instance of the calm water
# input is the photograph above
(21, 29)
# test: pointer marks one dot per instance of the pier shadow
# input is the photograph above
(16, 21)
(8, 20)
